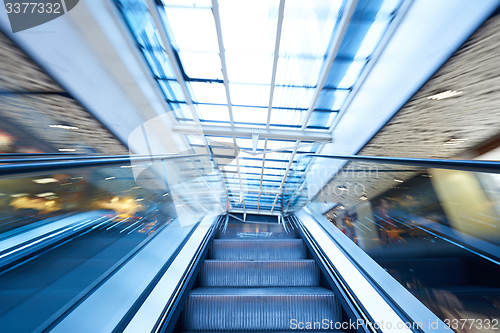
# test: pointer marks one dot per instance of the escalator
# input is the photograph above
(259, 277)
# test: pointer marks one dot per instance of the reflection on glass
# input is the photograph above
(437, 232)
(69, 229)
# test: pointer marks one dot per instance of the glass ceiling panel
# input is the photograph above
(308, 27)
(279, 156)
(249, 26)
(181, 110)
(249, 94)
(354, 36)
(186, 36)
(172, 90)
(249, 68)
(212, 93)
(372, 38)
(273, 172)
(298, 71)
(249, 162)
(249, 170)
(229, 168)
(331, 99)
(159, 64)
(213, 112)
(292, 97)
(249, 46)
(322, 119)
(351, 74)
(290, 117)
(279, 144)
(273, 164)
(249, 114)
(201, 65)
(249, 33)
(343, 74)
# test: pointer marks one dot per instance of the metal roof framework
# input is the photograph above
(267, 76)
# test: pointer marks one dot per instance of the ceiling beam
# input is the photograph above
(276, 134)
(253, 190)
(274, 203)
(393, 26)
(275, 60)
(155, 14)
(332, 54)
(281, 13)
(222, 55)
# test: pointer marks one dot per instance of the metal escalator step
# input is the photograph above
(268, 249)
(259, 230)
(224, 309)
(286, 273)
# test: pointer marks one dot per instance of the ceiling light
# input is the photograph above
(66, 149)
(398, 180)
(19, 195)
(165, 194)
(64, 127)
(45, 180)
(46, 194)
(445, 94)
(128, 166)
(454, 142)
(109, 178)
(363, 197)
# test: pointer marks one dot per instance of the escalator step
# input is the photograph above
(225, 273)
(226, 309)
(272, 249)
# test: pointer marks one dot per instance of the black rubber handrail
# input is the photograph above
(64, 164)
(39, 154)
(75, 157)
(463, 165)
(78, 161)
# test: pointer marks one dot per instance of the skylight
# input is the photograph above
(238, 84)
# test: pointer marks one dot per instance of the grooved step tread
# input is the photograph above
(266, 292)
(227, 309)
(261, 249)
(269, 240)
(260, 273)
